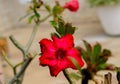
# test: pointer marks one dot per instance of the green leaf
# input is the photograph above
(102, 60)
(75, 76)
(106, 52)
(55, 34)
(96, 52)
(75, 63)
(69, 29)
(104, 56)
(37, 14)
(30, 19)
(101, 66)
(88, 48)
(61, 28)
(54, 24)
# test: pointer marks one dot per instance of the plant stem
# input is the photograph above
(28, 45)
(85, 80)
(18, 77)
(17, 65)
(15, 42)
(44, 19)
(65, 72)
(86, 76)
(6, 59)
(14, 71)
(23, 68)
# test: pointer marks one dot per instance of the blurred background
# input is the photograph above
(89, 28)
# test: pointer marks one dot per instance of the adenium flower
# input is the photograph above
(73, 5)
(56, 53)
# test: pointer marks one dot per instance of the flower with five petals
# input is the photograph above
(56, 53)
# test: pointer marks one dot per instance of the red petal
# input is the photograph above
(64, 42)
(75, 54)
(47, 60)
(47, 46)
(48, 53)
(60, 66)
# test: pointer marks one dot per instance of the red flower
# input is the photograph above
(72, 5)
(55, 54)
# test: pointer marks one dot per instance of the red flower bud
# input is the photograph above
(72, 5)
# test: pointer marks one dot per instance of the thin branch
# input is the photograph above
(28, 45)
(15, 67)
(7, 60)
(14, 71)
(18, 64)
(23, 68)
(44, 19)
(15, 42)
(26, 15)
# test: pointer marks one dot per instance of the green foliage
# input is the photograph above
(34, 13)
(88, 48)
(30, 19)
(95, 57)
(75, 77)
(103, 2)
(63, 28)
(96, 52)
(36, 4)
(96, 60)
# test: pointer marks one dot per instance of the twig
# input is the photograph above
(7, 60)
(28, 45)
(23, 68)
(15, 42)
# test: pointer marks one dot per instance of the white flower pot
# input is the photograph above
(110, 19)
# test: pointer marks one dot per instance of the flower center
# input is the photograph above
(60, 54)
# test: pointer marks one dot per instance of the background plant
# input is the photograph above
(96, 60)
(103, 2)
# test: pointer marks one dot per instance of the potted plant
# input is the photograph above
(109, 14)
